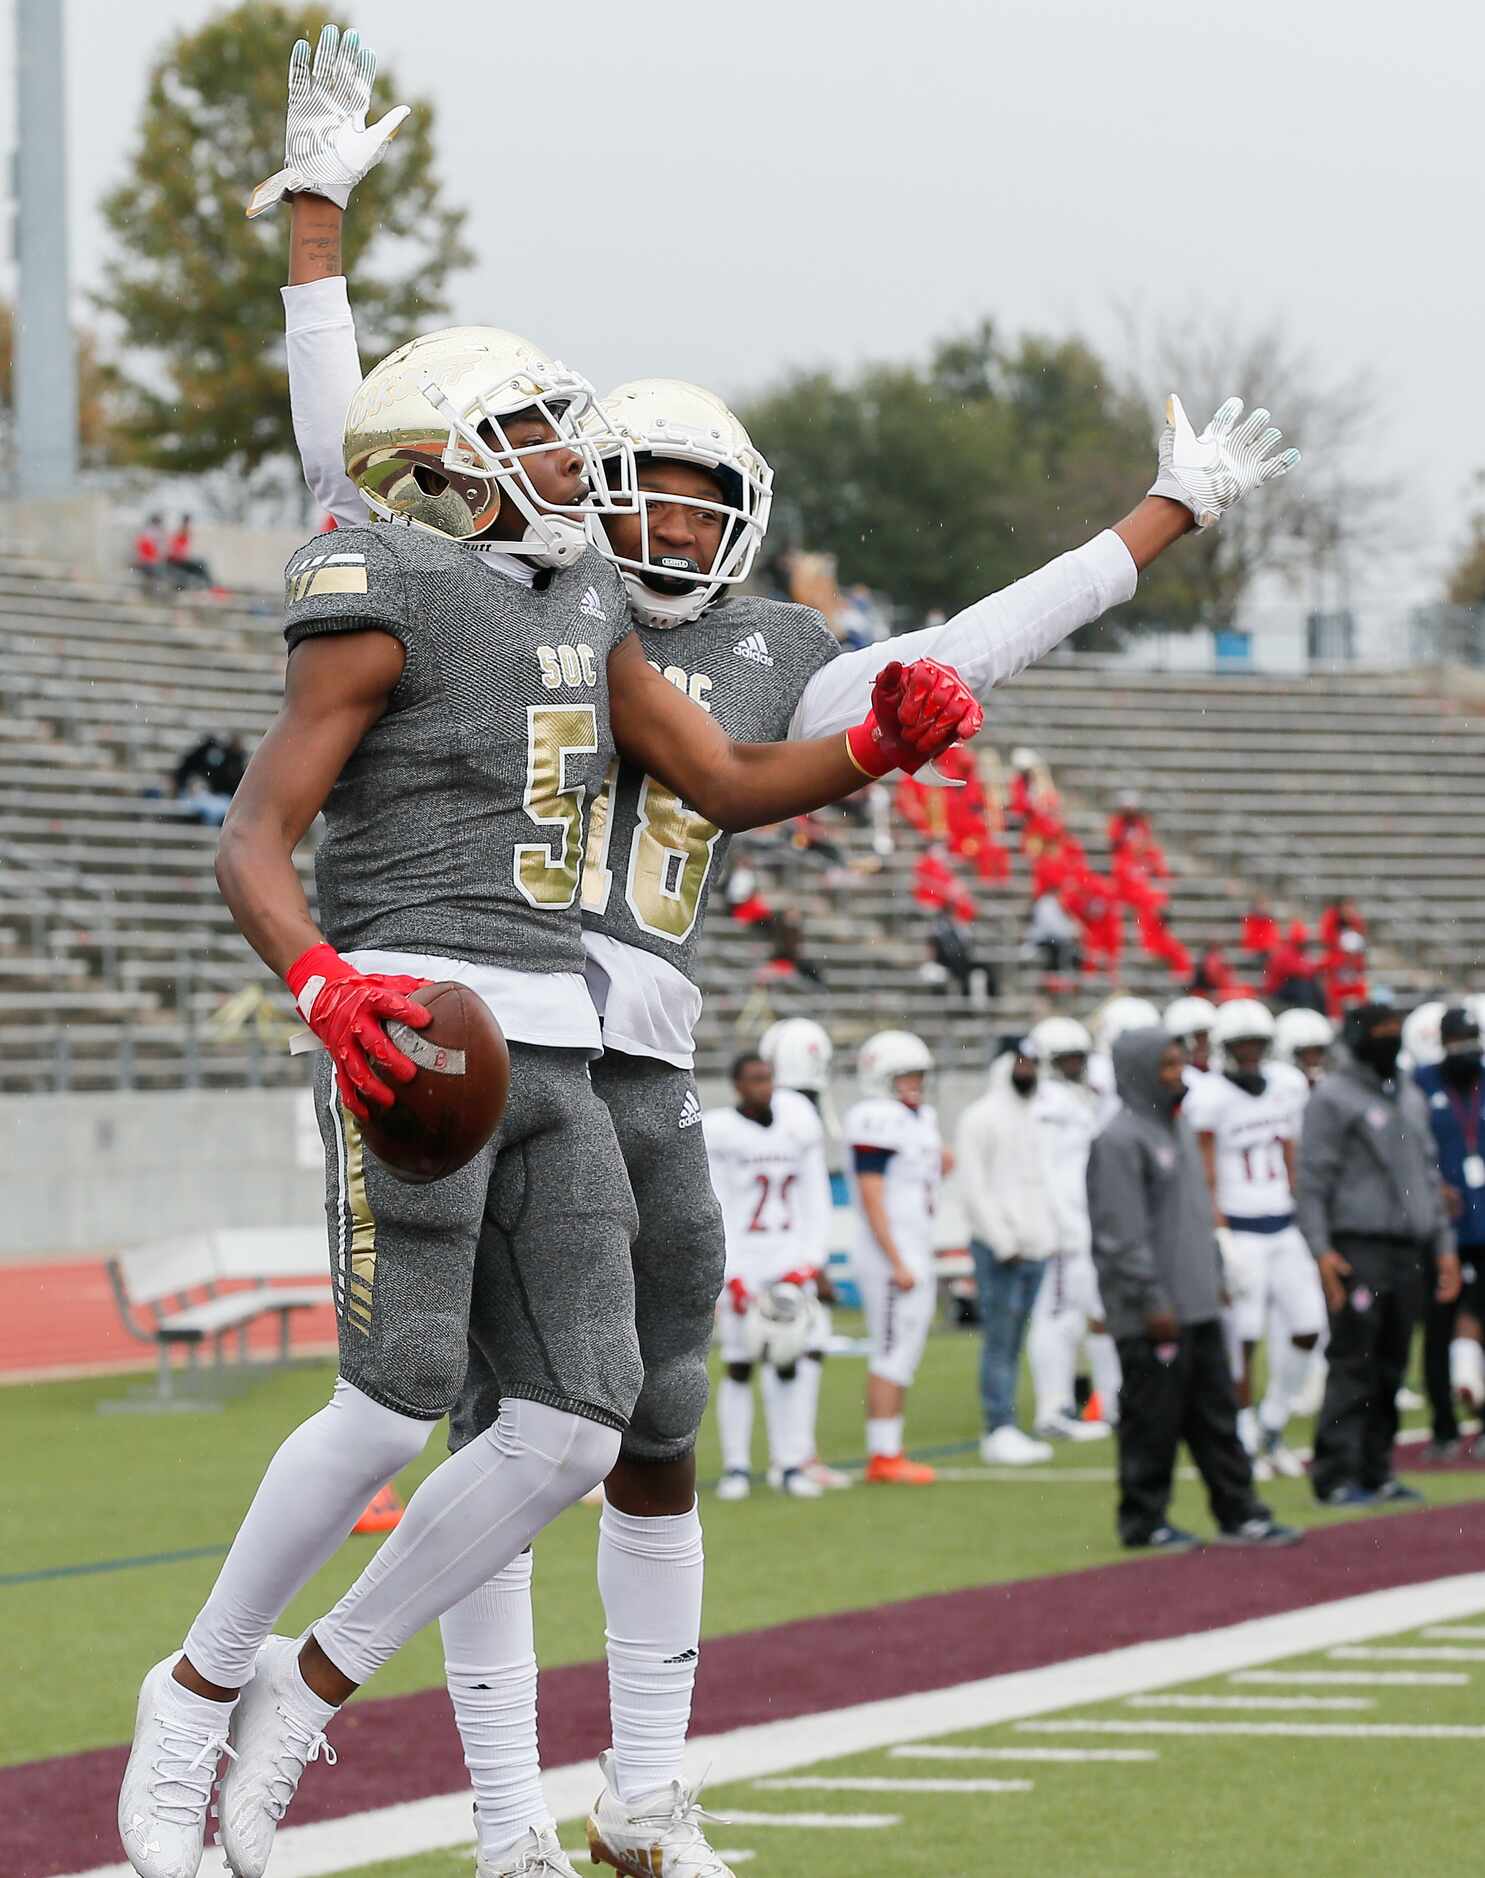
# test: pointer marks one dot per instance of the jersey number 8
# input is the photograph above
(669, 859)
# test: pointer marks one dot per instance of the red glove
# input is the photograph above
(917, 711)
(802, 1276)
(345, 1009)
(739, 1294)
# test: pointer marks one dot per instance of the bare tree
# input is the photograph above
(1317, 528)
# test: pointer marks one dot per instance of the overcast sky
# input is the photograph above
(717, 191)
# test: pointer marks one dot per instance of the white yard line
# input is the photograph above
(817, 1822)
(1361, 1678)
(928, 1751)
(1252, 1701)
(1408, 1653)
(1455, 1633)
(880, 1783)
(417, 1826)
(1304, 1731)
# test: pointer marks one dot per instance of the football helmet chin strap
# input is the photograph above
(553, 540)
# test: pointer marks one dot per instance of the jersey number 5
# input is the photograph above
(554, 733)
(669, 859)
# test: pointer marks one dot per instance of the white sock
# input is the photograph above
(312, 1708)
(490, 1661)
(735, 1424)
(884, 1434)
(1288, 1369)
(1247, 1427)
(1108, 1377)
(201, 1711)
(314, 1491)
(779, 1415)
(1467, 1370)
(1052, 1351)
(467, 1521)
(811, 1375)
(650, 1575)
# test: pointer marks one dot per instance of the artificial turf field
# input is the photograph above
(116, 1525)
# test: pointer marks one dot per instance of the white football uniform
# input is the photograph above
(904, 1145)
(774, 1189)
(1267, 1261)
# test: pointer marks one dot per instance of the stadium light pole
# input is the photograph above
(45, 362)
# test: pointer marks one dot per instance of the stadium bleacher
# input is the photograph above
(117, 955)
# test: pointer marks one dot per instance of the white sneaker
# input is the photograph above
(734, 1485)
(830, 1478)
(537, 1855)
(1281, 1460)
(273, 1745)
(1409, 1400)
(797, 1485)
(1068, 1428)
(1008, 1447)
(660, 1833)
(167, 1784)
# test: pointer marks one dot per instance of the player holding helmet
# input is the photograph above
(767, 1157)
(1246, 1121)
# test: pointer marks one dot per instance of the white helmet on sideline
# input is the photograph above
(1297, 1030)
(888, 1055)
(1186, 1017)
(1422, 1046)
(1111, 1020)
(781, 1324)
(798, 1051)
(1243, 1020)
(1061, 1036)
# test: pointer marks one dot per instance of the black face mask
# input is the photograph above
(1250, 1081)
(1380, 1054)
(1024, 1085)
(1462, 1069)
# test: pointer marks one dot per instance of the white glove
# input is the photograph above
(1211, 472)
(328, 148)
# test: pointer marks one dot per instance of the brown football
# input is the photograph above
(445, 1115)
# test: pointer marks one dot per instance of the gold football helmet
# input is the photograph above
(426, 444)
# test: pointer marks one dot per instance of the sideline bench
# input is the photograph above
(154, 1286)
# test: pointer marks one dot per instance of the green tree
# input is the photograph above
(939, 484)
(194, 284)
(1466, 583)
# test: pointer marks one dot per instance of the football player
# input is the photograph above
(799, 1052)
(1303, 1039)
(1245, 1117)
(1190, 1021)
(767, 1158)
(1068, 1112)
(776, 671)
(457, 686)
(896, 1165)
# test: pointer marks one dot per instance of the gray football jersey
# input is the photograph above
(651, 860)
(458, 825)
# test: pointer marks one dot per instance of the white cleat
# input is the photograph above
(795, 1484)
(1281, 1460)
(167, 1784)
(658, 1834)
(273, 1744)
(734, 1485)
(1008, 1447)
(536, 1855)
(830, 1478)
(1068, 1428)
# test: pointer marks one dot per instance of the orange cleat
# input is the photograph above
(1093, 1408)
(383, 1513)
(896, 1470)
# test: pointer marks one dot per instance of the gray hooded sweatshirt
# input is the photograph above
(1368, 1162)
(1154, 1241)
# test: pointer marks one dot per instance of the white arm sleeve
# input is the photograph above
(988, 642)
(324, 371)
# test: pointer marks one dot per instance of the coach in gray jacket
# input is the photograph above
(1160, 1273)
(1371, 1207)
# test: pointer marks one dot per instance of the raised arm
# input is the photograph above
(1199, 479)
(916, 712)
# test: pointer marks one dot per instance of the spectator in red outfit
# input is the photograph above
(1260, 928)
(1290, 980)
(936, 885)
(1214, 978)
(1343, 970)
(149, 548)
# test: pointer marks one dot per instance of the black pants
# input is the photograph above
(1370, 1338)
(1189, 1398)
(1438, 1334)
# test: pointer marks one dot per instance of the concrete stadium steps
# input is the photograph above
(1342, 782)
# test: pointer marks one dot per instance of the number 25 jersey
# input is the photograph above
(457, 825)
(773, 1187)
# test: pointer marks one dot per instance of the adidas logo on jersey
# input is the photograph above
(592, 605)
(690, 1110)
(754, 649)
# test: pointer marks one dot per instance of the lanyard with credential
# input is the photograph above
(1467, 1114)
